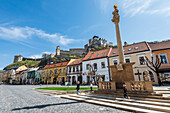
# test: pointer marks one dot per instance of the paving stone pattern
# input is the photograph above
(23, 99)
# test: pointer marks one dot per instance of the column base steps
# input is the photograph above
(135, 104)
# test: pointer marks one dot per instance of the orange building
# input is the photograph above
(55, 73)
(162, 49)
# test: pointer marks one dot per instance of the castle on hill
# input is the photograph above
(93, 42)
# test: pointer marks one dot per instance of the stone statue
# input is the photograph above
(115, 14)
(146, 76)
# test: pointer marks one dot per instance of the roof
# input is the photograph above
(19, 55)
(133, 48)
(76, 62)
(160, 45)
(56, 65)
(77, 49)
(128, 49)
(21, 68)
(97, 54)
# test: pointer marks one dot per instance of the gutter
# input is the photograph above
(108, 62)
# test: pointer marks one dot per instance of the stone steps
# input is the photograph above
(136, 100)
(120, 103)
(153, 96)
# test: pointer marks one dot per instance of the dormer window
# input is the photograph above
(136, 48)
(129, 49)
(104, 53)
(114, 52)
(90, 56)
(97, 55)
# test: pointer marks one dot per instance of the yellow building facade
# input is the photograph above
(55, 73)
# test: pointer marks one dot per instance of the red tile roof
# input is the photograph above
(133, 48)
(97, 54)
(76, 62)
(160, 45)
(56, 65)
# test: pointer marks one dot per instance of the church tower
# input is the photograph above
(58, 51)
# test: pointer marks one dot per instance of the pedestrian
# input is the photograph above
(78, 87)
(125, 92)
(91, 86)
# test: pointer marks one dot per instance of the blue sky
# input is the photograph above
(32, 27)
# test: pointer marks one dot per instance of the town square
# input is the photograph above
(85, 56)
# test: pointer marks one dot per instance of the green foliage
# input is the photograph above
(66, 88)
(27, 63)
(99, 48)
(73, 56)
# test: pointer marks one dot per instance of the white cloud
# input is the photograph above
(23, 34)
(134, 7)
(104, 5)
(39, 55)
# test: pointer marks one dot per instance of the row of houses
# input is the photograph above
(94, 66)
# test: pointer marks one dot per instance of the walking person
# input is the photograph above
(91, 86)
(125, 92)
(78, 87)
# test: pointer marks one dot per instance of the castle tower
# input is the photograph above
(58, 51)
(18, 58)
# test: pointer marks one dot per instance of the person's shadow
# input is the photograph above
(42, 106)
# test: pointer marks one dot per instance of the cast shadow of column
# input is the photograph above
(43, 106)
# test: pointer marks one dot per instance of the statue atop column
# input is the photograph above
(115, 20)
(115, 14)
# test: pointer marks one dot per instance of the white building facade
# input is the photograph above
(100, 70)
(74, 71)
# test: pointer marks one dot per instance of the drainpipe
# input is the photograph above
(108, 68)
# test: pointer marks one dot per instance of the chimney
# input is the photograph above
(125, 43)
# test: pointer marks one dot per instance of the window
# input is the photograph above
(97, 55)
(64, 70)
(115, 62)
(136, 48)
(73, 69)
(87, 66)
(103, 64)
(70, 69)
(127, 60)
(141, 60)
(55, 71)
(114, 52)
(51, 72)
(60, 70)
(80, 68)
(104, 53)
(77, 68)
(95, 66)
(90, 56)
(163, 59)
(129, 49)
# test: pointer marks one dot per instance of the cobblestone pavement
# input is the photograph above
(23, 99)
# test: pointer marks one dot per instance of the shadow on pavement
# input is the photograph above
(43, 106)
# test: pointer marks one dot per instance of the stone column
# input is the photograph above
(115, 20)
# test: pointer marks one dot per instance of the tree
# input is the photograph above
(50, 74)
(154, 66)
